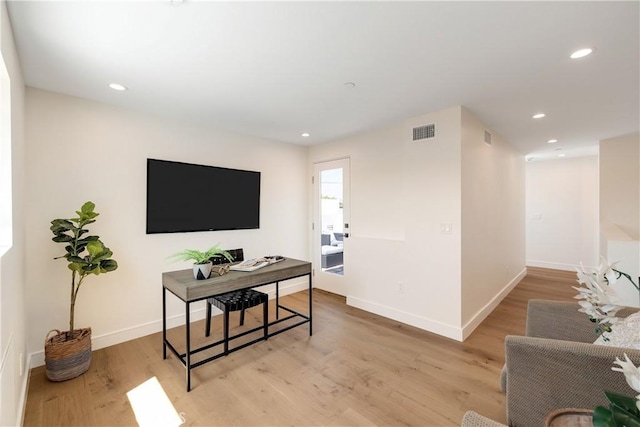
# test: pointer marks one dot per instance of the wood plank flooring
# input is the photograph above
(357, 369)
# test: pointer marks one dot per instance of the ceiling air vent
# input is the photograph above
(487, 137)
(424, 132)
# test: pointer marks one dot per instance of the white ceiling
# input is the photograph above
(277, 69)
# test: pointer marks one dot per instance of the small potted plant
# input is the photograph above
(68, 354)
(201, 260)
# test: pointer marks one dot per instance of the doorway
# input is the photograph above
(331, 225)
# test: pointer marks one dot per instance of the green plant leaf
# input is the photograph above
(61, 224)
(88, 207)
(624, 418)
(602, 417)
(95, 248)
(74, 266)
(62, 238)
(109, 265)
(620, 400)
(76, 259)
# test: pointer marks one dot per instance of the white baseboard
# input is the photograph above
(116, 337)
(487, 309)
(427, 324)
(22, 404)
(553, 265)
(449, 331)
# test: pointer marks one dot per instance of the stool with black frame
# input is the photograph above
(236, 301)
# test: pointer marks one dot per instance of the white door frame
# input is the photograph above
(327, 281)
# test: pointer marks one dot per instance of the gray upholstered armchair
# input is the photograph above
(556, 365)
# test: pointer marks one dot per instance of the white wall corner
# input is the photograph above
(476, 320)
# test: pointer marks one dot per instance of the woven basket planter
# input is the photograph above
(66, 359)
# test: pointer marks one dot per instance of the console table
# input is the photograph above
(185, 287)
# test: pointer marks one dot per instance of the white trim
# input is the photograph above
(5, 355)
(553, 265)
(22, 402)
(127, 334)
(487, 309)
(22, 396)
(449, 331)
(430, 325)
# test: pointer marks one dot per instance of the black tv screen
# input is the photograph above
(185, 197)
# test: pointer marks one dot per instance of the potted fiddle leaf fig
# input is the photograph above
(201, 260)
(68, 353)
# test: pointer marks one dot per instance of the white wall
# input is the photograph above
(493, 213)
(401, 194)
(13, 320)
(562, 213)
(81, 150)
(620, 209)
(620, 183)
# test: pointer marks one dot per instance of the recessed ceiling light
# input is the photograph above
(552, 141)
(539, 115)
(561, 155)
(581, 53)
(305, 134)
(117, 86)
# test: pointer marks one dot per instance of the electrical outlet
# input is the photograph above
(401, 288)
(446, 227)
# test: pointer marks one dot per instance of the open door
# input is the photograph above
(331, 225)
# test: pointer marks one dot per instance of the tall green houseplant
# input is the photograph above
(86, 254)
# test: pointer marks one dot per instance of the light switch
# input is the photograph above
(445, 228)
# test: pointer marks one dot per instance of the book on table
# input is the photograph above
(256, 263)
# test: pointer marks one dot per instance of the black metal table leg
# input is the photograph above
(164, 323)
(277, 300)
(310, 307)
(188, 351)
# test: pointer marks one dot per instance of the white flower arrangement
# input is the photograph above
(597, 299)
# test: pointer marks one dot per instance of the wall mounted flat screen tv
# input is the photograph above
(184, 197)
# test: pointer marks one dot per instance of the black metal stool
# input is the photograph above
(236, 301)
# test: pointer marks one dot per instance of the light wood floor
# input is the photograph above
(357, 369)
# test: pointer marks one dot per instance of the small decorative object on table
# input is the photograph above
(202, 260)
(219, 270)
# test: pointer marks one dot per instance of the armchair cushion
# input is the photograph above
(557, 365)
(544, 374)
(559, 320)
